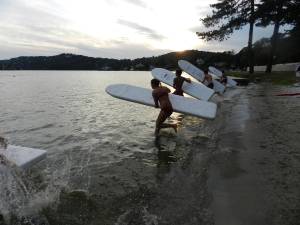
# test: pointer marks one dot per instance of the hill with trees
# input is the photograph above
(79, 62)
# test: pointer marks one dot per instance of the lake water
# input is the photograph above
(104, 165)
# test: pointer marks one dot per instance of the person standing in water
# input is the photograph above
(223, 79)
(178, 82)
(208, 80)
(161, 95)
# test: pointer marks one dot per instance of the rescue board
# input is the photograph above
(189, 106)
(198, 74)
(195, 89)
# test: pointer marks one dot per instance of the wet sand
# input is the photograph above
(254, 175)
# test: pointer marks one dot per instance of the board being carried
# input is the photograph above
(194, 89)
(190, 106)
(198, 74)
(21, 156)
(230, 81)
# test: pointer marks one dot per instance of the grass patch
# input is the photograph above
(280, 78)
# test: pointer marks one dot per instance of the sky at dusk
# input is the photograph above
(108, 28)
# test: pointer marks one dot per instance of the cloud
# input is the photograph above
(203, 11)
(196, 29)
(48, 27)
(138, 3)
(121, 51)
(144, 30)
(34, 40)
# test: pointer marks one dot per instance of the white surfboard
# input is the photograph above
(21, 156)
(198, 74)
(214, 76)
(230, 81)
(190, 106)
(215, 71)
(194, 89)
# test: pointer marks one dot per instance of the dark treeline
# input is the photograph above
(79, 62)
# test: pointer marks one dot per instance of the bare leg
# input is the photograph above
(160, 119)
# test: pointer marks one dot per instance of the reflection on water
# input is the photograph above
(104, 165)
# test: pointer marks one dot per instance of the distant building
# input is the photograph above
(139, 66)
(106, 68)
(279, 67)
(200, 62)
(220, 64)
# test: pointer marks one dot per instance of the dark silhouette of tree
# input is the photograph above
(287, 50)
(277, 12)
(228, 16)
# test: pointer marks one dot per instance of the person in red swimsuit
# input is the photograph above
(161, 95)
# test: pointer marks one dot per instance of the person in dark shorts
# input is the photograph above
(178, 82)
(223, 79)
(208, 80)
(161, 95)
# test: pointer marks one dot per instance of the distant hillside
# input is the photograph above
(79, 62)
(288, 51)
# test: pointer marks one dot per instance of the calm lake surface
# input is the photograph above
(104, 165)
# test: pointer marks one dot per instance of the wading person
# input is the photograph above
(223, 79)
(208, 80)
(178, 82)
(161, 95)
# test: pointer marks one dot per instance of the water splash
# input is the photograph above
(22, 198)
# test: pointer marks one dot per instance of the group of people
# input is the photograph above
(161, 98)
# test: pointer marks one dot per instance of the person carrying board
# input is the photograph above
(178, 82)
(223, 79)
(161, 95)
(208, 80)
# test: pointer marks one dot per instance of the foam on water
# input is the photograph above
(21, 197)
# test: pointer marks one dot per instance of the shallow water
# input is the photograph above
(104, 165)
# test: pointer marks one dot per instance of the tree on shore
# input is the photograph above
(279, 13)
(228, 16)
